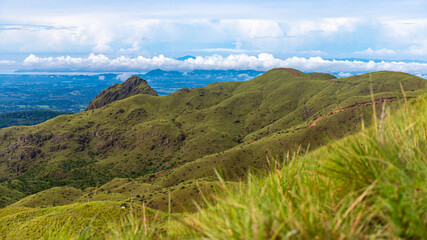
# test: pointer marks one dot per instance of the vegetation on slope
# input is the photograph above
(8, 196)
(368, 185)
(128, 190)
(165, 143)
(90, 220)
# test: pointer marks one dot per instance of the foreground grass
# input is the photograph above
(371, 185)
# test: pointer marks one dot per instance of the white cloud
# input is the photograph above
(27, 37)
(378, 53)
(122, 34)
(324, 26)
(123, 76)
(419, 48)
(252, 28)
(7, 63)
(102, 48)
(178, 28)
(314, 53)
(135, 48)
(406, 28)
(262, 61)
(7, 66)
(344, 74)
(409, 32)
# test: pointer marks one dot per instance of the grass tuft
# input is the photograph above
(370, 185)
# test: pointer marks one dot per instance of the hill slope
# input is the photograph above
(171, 140)
(371, 185)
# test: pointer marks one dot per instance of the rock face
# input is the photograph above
(132, 86)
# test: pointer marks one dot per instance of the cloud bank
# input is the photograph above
(263, 61)
(305, 28)
(6, 62)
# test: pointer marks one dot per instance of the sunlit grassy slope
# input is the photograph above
(182, 196)
(66, 222)
(164, 143)
(371, 185)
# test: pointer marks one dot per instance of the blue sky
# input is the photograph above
(138, 35)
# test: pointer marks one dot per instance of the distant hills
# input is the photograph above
(27, 117)
(71, 91)
(148, 146)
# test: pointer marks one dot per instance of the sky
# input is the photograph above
(139, 35)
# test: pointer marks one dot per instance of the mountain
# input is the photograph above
(162, 73)
(167, 82)
(73, 91)
(134, 85)
(371, 183)
(149, 146)
(55, 92)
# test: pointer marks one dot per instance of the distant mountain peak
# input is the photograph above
(132, 86)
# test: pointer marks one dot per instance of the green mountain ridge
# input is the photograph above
(369, 185)
(132, 86)
(166, 143)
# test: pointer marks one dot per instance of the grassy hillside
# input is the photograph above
(165, 143)
(8, 196)
(181, 197)
(371, 185)
(66, 222)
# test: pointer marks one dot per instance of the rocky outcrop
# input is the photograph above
(133, 86)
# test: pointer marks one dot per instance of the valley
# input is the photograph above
(72, 91)
(167, 152)
(203, 128)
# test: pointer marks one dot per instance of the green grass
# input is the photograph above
(370, 185)
(8, 196)
(93, 220)
(231, 127)
(127, 190)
